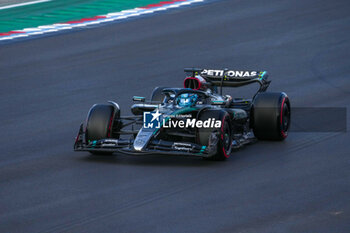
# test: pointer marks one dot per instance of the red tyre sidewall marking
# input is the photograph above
(222, 136)
(284, 134)
(110, 125)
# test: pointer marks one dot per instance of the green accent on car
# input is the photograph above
(261, 75)
(60, 11)
(94, 143)
(218, 102)
(138, 98)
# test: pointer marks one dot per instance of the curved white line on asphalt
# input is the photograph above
(113, 16)
(23, 4)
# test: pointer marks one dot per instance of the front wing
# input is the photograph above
(153, 147)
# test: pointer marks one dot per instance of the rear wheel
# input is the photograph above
(223, 134)
(271, 116)
(99, 125)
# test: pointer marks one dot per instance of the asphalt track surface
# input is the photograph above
(48, 85)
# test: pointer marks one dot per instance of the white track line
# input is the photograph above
(23, 4)
(113, 16)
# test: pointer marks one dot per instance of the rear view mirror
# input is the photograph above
(218, 102)
(138, 98)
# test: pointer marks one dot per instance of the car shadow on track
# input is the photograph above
(160, 160)
(151, 160)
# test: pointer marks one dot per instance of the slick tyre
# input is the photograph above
(224, 142)
(99, 125)
(271, 116)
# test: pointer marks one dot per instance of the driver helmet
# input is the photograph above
(187, 99)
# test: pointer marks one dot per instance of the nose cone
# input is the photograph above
(142, 139)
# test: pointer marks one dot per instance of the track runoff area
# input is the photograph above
(30, 18)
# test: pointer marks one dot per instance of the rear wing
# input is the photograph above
(231, 78)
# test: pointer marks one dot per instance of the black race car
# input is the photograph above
(197, 120)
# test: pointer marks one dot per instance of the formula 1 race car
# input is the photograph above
(197, 120)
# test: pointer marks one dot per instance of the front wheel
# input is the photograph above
(223, 135)
(99, 124)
